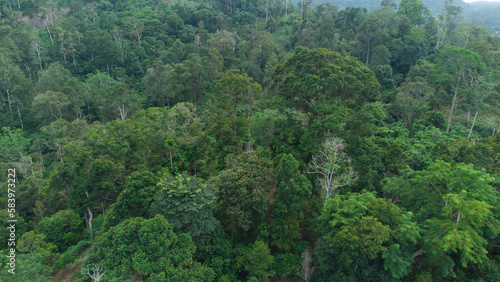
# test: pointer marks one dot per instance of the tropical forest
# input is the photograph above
(249, 140)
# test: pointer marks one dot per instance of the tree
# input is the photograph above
(50, 105)
(380, 56)
(13, 145)
(187, 203)
(95, 182)
(414, 47)
(214, 62)
(77, 92)
(479, 88)
(333, 166)
(187, 79)
(156, 82)
(149, 249)
(95, 271)
(136, 197)
(313, 80)
(137, 27)
(292, 190)
(364, 238)
(306, 264)
(52, 79)
(410, 102)
(31, 242)
(10, 75)
(63, 229)
(195, 81)
(377, 28)
(452, 68)
(389, 3)
(103, 51)
(258, 261)
(415, 11)
(448, 23)
(230, 106)
(244, 190)
(456, 207)
(120, 102)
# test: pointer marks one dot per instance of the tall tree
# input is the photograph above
(244, 191)
(312, 80)
(187, 203)
(148, 248)
(410, 102)
(378, 27)
(50, 105)
(230, 106)
(292, 190)
(453, 67)
(333, 166)
(364, 238)
(156, 83)
(456, 207)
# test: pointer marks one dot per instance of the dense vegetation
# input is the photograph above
(249, 141)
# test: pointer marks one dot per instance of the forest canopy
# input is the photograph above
(149, 140)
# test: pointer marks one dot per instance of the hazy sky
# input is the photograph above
(469, 1)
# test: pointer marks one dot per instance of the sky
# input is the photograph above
(470, 1)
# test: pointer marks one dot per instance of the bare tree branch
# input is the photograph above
(333, 165)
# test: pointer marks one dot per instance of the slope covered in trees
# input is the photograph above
(248, 141)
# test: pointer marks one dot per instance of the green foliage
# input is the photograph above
(29, 268)
(258, 261)
(292, 190)
(149, 248)
(13, 144)
(312, 78)
(34, 243)
(71, 254)
(244, 190)
(456, 207)
(370, 232)
(230, 106)
(454, 68)
(187, 203)
(136, 197)
(63, 229)
(118, 110)
(411, 103)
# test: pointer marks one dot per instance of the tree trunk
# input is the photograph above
(171, 163)
(123, 112)
(50, 34)
(474, 121)
(38, 51)
(90, 220)
(368, 52)
(452, 106)
(8, 100)
(20, 120)
(138, 36)
(301, 9)
(267, 8)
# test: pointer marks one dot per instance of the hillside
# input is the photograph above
(151, 140)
